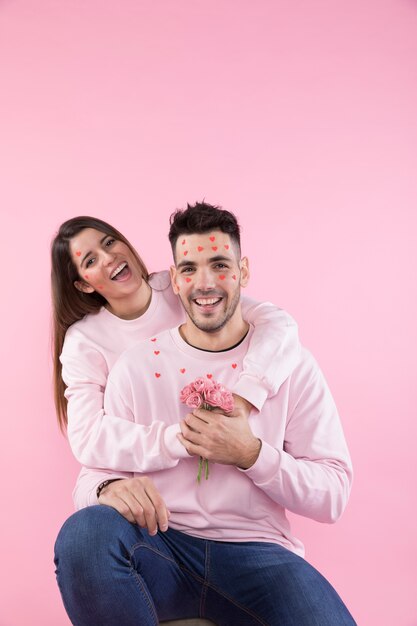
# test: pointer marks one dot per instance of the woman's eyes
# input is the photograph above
(90, 262)
(110, 242)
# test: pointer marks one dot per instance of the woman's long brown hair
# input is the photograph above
(68, 303)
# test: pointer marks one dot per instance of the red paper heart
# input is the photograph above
(209, 375)
(200, 248)
(234, 276)
(212, 238)
(158, 375)
(188, 279)
(78, 253)
(153, 339)
(226, 246)
(214, 248)
(185, 252)
(222, 277)
(86, 276)
(100, 287)
(156, 352)
(234, 365)
(183, 242)
(182, 370)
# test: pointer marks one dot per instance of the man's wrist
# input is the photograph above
(252, 455)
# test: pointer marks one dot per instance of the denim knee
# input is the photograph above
(87, 536)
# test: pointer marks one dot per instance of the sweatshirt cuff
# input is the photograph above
(174, 449)
(252, 389)
(266, 465)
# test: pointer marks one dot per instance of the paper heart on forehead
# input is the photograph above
(78, 253)
(212, 238)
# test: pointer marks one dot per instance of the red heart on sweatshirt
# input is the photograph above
(209, 375)
(234, 365)
(212, 238)
(226, 246)
(156, 352)
(182, 370)
(200, 248)
(153, 339)
(78, 253)
(214, 248)
(188, 279)
(222, 277)
(185, 252)
(183, 242)
(158, 375)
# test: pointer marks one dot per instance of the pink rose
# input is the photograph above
(194, 401)
(213, 396)
(187, 391)
(200, 384)
(227, 402)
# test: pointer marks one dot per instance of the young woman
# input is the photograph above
(104, 300)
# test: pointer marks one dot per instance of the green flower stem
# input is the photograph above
(202, 461)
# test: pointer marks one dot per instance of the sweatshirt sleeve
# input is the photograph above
(85, 491)
(274, 351)
(312, 474)
(108, 436)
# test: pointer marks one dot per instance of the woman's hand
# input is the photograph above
(138, 500)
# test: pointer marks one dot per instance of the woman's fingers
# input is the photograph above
(138, 500)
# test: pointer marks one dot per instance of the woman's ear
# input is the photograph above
(84, 287)
(244, 271)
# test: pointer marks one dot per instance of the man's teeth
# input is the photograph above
(207, 301)
(118, 269)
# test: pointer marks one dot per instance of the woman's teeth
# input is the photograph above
(118, 269)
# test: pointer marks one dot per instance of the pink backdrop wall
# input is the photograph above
(300, 117)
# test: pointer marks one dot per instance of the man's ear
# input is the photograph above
(173, 274)
(244, 271)
(84, 287)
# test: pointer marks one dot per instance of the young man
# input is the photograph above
(224, 549)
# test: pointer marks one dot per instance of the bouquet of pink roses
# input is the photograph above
(206, 394)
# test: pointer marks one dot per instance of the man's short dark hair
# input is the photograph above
(200, 218)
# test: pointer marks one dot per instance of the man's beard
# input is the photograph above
(216, 324)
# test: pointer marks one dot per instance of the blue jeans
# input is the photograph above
(112, 573)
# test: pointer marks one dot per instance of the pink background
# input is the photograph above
(299, 116)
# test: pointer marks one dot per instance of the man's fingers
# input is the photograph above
(193, 449)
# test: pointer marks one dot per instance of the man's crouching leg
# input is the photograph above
(262, 583)
(112, 572)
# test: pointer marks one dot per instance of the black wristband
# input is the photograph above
(104, 484)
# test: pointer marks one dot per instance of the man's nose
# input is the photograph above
(205, 280)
